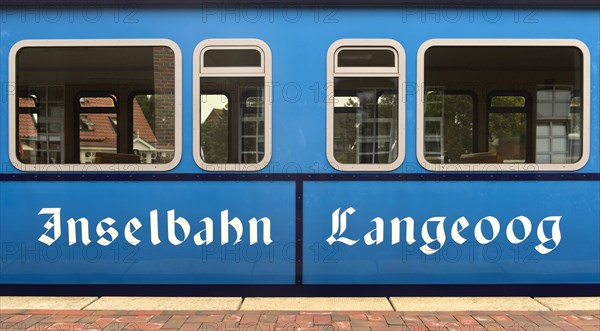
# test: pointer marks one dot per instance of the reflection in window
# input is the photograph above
(88, 106)
(363, 113)
(232, 105)
(508, 136)
(448, 125)
(508, 101)
(509, 126)
(232, 58)
(214, 130)
(523, 104)
(366, 58)
(365, 120)
(232, 120)
(558, 125)
(41, 125)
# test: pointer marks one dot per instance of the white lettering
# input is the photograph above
(136, 224)
(556, 236)
(440, 235)
(254, 230)
(479, 233)
(456, 230)
(410, 230)
(378, 233)
(154, 227)
(178, 229)
(338, 223)
(510, 233)
(235, 223)
(85, 234)
(172, 230)
(101, 231)
(208, 230)
(53, 223)
(433, 244)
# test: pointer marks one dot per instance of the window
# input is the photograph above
(365, 115)
(558, 125)
(78, 102)
(448, 113)
(232, 111)
(509, 129)
(512, 104)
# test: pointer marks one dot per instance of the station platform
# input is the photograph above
(298, 314)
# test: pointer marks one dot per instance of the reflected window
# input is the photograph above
(558, 124)
(365, 126)
(523, 104)
(509, 127)
(364, 112)
(234, 111)
(95, 104)
(448, 114)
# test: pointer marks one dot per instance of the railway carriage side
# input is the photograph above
(299, 145)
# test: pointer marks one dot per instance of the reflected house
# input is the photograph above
(97, 132)
(27, 131)
(216, 115)
(214, 137)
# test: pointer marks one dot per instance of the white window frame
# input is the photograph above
(585, 153)
(265, 70)
(333, 71)
(110, 167)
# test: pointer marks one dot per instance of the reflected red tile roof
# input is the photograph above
(103, 133)
(26, 102)
(26, 127)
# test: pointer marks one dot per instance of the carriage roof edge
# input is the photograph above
(348, 3)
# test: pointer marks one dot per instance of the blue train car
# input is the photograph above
(297, 146)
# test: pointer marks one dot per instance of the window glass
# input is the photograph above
(233, 108)
(365, 114)
(214, 130)
(508, 101)
(366, 58)
(558, 135)
(233, 121)
(75, 120)
(448, 114)
(365, 126)
(523, 104)
(508, 136)
(232, 58)
(97, 102)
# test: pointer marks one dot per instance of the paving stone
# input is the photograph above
(329, 304)
(268, 318)
(574, 303)
(271, 320)
(41, 303)
(250, 318)
(162, 303)
(466, 304)
(206, 318)
(322, 319)
(175, 321)
(190, 326)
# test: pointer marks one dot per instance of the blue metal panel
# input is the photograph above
(299, 39)
(573, 260)
(25, 259)
(477, 3)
